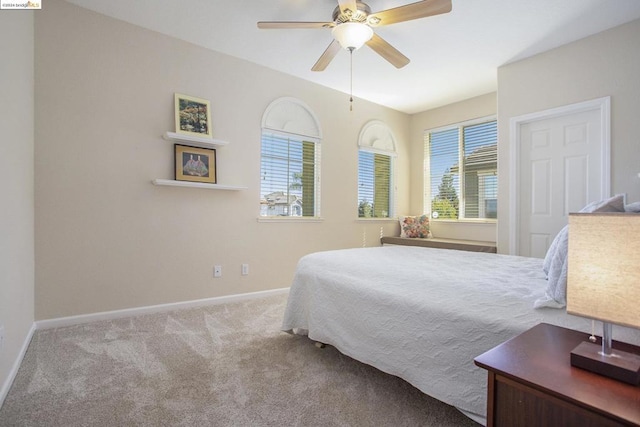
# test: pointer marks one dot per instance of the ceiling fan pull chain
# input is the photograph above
(351, 79)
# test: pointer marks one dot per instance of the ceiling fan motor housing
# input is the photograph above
(359, 15)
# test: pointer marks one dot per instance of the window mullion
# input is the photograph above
(461, 175)
(288, 189)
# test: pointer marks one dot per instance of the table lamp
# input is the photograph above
(603, 283)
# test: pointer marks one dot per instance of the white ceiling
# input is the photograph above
(454, 56)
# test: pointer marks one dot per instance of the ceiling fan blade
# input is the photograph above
(388, 52)
(267, 25)
(327, 56)
(417, 10)
(348, 5)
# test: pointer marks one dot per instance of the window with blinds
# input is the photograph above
(288, 169)
(374, 185)
(461, 171)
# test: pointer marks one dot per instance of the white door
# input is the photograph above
(560, 169)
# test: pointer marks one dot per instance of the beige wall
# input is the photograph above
(16, 186)
(606, 64)
(473, 108)
(106, 238)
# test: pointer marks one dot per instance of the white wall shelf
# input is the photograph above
(194, 141)
(174, 183)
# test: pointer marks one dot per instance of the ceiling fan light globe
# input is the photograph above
(352, 35)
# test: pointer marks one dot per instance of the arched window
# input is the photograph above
(290, 160)
(376, 154)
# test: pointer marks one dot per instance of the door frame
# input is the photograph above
(603, 105)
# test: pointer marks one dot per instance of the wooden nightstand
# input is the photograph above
(532, 383)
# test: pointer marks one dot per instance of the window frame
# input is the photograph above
(377, 137)
(427, 170)
(290, 117)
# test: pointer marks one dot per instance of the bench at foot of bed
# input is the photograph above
(440, 243)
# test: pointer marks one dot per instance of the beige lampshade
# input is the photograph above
(603, 276)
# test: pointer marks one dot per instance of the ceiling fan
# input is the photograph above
(353, 23)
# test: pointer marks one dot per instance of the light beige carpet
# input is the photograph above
(225, 365)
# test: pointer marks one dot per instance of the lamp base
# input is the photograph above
(620, 365)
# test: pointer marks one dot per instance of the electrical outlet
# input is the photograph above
(245, 269)
(1, 336)
(217, 271)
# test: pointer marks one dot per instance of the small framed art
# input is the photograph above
(195, 164)
(193, 116)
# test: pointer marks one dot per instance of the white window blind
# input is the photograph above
(462, 174)
(374, 185)
(443, 153)
(288, 176)
(480, 168)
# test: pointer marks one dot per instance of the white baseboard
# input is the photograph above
(4, 391)
(117, 314)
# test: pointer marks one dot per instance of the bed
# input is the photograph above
(423, 314)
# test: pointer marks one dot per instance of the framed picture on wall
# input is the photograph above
(195, 164)
(193, 116)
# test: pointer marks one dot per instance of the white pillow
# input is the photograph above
(613, 204)
(553, 249)
(555, 296)
(633, 207)
(555, 261)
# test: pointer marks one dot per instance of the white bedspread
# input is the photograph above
(423, 314)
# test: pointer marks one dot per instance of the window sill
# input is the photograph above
(290, 219)
(376, 219)
(464, 221)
